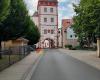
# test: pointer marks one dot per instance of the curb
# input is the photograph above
(31, 70)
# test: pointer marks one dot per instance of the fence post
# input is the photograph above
(19, 52)
(24, 50)
(9, 52)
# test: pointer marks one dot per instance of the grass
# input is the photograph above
(7, 61)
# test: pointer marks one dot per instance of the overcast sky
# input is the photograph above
(65, 8)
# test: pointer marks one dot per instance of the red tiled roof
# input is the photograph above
(66, 23)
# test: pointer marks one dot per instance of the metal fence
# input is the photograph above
(13, 55)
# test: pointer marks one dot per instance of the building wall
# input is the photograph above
(72, 42)
(48, 25)
(69, 37)
(13, 43)
(48, 20)
(6, 44)
(65, 24)
(41, 10)
(70, 34)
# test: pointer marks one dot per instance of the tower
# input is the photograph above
(48, 23)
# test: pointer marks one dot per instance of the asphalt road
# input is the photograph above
(55, 65)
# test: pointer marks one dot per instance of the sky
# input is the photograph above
(65, 8)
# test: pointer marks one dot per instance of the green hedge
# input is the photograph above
(69, 46)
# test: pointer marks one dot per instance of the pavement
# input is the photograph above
(56, 65)
(88, 57)
(20, 70)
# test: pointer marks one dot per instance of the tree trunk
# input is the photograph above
(88, 42)
(0, 50)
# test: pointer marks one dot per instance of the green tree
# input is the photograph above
(15, 25)
(4, 9)
(18, 24)
(33, 34)
(87, 20)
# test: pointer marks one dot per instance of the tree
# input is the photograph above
(4, 9)
(15, 25)
(33, 34)
(87, 20)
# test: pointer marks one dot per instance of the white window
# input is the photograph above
(45, 9)
(52, 19)
(71, 36)
(51, 9)
(52, 31)
(45, 19)
(45, 31)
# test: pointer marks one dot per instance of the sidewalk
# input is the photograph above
(89, 57)
(18, 70)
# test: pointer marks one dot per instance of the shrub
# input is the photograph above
(69, 46)
(78, 47)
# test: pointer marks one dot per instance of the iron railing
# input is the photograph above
(13, 55)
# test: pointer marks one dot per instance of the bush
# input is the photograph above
(69, 46)
(78, 47)
(86, 48)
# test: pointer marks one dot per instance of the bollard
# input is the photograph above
(98, 47)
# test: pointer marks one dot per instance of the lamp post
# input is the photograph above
(57, 39)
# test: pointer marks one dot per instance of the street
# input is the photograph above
(55, 65)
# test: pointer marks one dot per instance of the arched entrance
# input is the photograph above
(49, 43)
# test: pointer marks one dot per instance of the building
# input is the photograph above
(68, 35)
(14, 43)
(46, 18)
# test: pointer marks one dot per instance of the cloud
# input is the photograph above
(31, 5)
(61, 0)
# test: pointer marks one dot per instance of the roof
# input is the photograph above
(22, 39)
(35, 14)
(66, 23)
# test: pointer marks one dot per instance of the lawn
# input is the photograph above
(7, 60)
